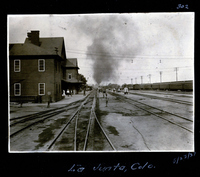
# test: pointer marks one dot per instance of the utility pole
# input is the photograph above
(135, 80)
(176, 69)
(149, 78)
(141, 79)
(131, 80)
(160, 76)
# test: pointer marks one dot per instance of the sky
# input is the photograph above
(125, 48)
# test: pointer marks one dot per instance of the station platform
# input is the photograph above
(30, 108)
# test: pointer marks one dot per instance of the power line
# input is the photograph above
(122, 55)
(136, 58)
(144, 69)
(133, 56)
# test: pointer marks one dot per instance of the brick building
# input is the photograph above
(39, 68)
(71, 78)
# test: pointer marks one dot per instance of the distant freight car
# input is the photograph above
(187, 86)
(164, 86)
(178, 85)
(147, 86)
(136, 87)
(175, 86)
(156, 86)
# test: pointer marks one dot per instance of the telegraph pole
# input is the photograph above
(176, 69)
(160, 76)
(149, 78)
(131, 80)
(141, 79)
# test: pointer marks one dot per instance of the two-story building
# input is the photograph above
(38, 69)
(71, 80)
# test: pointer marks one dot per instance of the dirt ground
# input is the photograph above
(128, 127)
(132, 129)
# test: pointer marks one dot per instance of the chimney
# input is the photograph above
(33, 36)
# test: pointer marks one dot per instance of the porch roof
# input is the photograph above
(72, 81)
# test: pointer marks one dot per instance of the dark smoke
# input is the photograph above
(104, 64)
(114, 38)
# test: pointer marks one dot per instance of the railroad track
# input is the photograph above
(172, 93)
(89, 126)
(165, 99)
(32, 119)
(74, 121)
(42, 113)
(168, 116)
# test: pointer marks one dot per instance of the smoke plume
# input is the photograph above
(104, 65)
(113, 39)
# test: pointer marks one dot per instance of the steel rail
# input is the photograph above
(109, 141)
(104, 132)
(75, 132)
(165, 99)
(159, 109)
(89, 126)
(87, 133)
(164, 118)
(173, 93)
(40, 113)
(55, 139)
(163, 110)
(43, 119)
(159, 115)
(51, 115)
(47, 111)
(72, 117)
(89, 123)
(38, 116)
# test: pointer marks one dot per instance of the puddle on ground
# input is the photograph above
(113, 130)
(126, 146)
(47, 134)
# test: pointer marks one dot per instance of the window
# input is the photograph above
(41, 65)
(69, 76)
(17, 89)
(41, 88)
(17, 65)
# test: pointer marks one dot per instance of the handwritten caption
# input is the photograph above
(184, 157)
(181, 6)
(117, 167)
(123, 168)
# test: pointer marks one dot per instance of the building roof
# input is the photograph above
(73, 80)
(71, 63)
(48, 46)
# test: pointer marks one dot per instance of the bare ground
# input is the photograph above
(131, 129)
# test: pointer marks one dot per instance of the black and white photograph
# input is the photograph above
(118, 82)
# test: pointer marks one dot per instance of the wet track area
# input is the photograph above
(137, 121)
